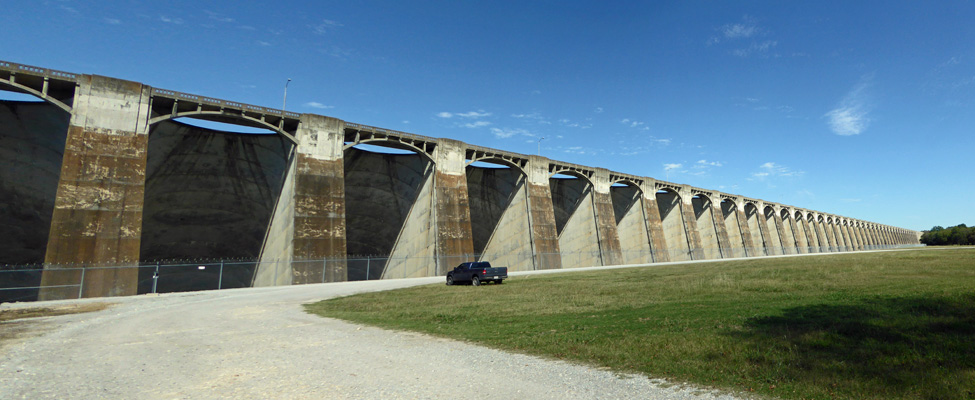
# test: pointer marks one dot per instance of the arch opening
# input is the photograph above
(775, 234)
(498, 202)
(671, 217)
(389, 199)
(706, 228)
(575, 219)
(729, 210)
(631, 222)
(210, 193)
(754, 220)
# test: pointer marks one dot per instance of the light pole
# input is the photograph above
(285, 105)
(540, 145)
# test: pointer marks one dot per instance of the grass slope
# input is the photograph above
(869, 325)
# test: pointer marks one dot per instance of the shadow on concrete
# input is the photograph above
(918, 347)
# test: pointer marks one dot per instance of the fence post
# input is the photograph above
(324, 264)
(220, 276)
(367, 267)
(81, 285)
(155, 277)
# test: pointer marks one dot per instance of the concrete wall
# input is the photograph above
(117, 182)
(208, 194)
(631, 219)
(32, 136)
(575, 221)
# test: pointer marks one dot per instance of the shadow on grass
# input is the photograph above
(917, 347)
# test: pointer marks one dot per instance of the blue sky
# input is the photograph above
(863, 109)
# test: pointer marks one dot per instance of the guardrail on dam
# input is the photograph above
(102, 173)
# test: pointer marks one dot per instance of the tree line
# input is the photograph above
(959, 235)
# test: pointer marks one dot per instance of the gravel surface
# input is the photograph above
(259, 343)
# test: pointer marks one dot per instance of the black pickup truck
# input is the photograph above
(477, 272)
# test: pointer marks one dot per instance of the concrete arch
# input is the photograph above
(493, 159)
(670, 205)
(706, 227)
(12, 86)
(808, 232)
(223, 116)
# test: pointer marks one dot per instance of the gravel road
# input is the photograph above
(259, 343)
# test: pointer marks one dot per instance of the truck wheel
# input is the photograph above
(476, 281)
(450, 280)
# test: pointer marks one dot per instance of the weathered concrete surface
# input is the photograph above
(729, 213)
(416, 245)
(208, 194)
(672, 220)
(608, 240)
(274, 267)
(455, 243)
(576, 222)
(545, 237)
(751, 239)
(655, 227)
(706, 228)
(757, 225)
(98, 212)
(773, 227)
(786, 231)
(32, 136)
(499, 217)
(380, 192)
(319, 227)
(631, 224)
(691, 230)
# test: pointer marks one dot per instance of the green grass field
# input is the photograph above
(887, 325)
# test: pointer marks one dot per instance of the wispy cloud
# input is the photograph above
(325, 26)
(175, 21)
(746, 38)
(755, 48)
(737, 31)
(469, 114)
(635, 124)
(263, 43)
(850, 117)
(671, 167)
(320, 106)
(598, 110)
(771, 169)
(476, 124)
(707, 163)
(218, 17)
(536, 117)
(112, 21)
(504, 133)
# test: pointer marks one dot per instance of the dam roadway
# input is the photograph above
(259, 343)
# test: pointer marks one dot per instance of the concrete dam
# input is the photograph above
(102, 175)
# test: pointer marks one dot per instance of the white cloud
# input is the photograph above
(709, 163)
(755, 48)
(771, 169)
(476, 124)
(315, 104)
(507, 132)
(445, 114)
(670, 167)
(850, 117)
(738, 31)
(325, 26)
(112, 21)
(598, 110)
(474, 114)
(263, 43)
(177, 21)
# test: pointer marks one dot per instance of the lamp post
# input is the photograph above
(540, 145)
(285, 105)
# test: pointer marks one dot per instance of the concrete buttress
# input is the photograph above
(690, 226)
(455, 243)
(655, 229)
(97, 215)
(544, 236)
(609, 241)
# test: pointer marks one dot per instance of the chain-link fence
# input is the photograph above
(28, 283)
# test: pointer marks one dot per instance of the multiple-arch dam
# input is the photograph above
(103, 172)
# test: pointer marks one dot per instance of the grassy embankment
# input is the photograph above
(877, 325)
